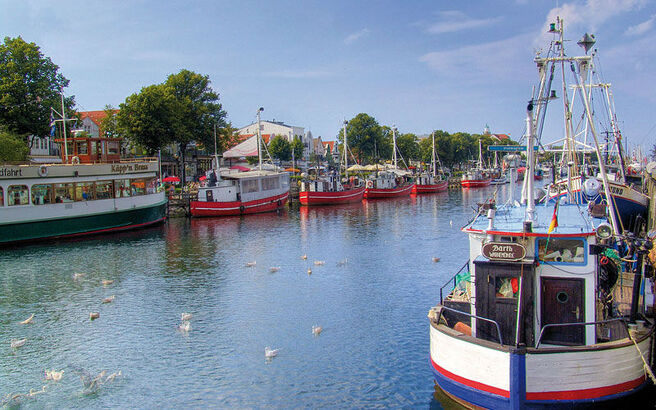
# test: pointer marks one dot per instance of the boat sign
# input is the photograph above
(509, 148)
(504, 251)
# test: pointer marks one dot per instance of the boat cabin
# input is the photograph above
(88, 150)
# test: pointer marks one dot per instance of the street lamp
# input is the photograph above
(259, 136)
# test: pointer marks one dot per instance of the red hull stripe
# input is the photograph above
(522, 234)
(203, 208)
(339, 197)
(585, 394)
(387, 193)
(475, 182)
(470, 383)
(430, 188)
(115, 229)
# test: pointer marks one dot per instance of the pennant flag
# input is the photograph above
(52, 125)
(554, 219)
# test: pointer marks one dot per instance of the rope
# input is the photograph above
(646, 366)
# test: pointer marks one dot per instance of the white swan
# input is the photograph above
(186, 317)
(185, 326)
(94, 315)
(269, 353)
(250, 264)
(304, 257)
(18, 343)
(109, 299)
(316, 330)
(107, 282)
(317, 263)
(274, 269)
(436, 259)
(54, 375)
(309, 271)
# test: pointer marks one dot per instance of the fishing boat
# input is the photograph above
(476, 177)
(329, 190)
(534, 318)
(79, 196)
(430, 182)
(265, 189)
(390, 183)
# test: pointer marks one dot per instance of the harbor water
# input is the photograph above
(373, 279)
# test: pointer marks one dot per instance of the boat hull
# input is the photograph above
(430, 188)
(268, 204)
(82, 225)
(534, 378)
(379, 193)
(310, 198)
(475, 183)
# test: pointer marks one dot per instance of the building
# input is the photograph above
(274, 127)
(498, 137)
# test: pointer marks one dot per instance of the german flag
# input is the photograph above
(554, 219)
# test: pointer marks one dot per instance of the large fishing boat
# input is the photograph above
(390, 183)
(536, 318)
(430, 182)
(264, 189)
(328, 189)
(79, 196)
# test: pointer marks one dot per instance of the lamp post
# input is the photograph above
(345, 152)
(259, 136)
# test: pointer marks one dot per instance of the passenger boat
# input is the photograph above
(79, 196)
(329, 190)
(430, 182)
(476, 177)
(265, 189)
(390, 183)
(534, 318)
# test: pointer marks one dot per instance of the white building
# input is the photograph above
(280, 128)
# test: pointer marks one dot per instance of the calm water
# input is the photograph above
(371, 297)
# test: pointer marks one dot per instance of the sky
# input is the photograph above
(419, 65)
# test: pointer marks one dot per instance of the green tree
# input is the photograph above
(280, 148)
(182, 109)
(297, 148)
(109, 127)
(12, 147)
(408, 147)
(365, 138)
(30, 85)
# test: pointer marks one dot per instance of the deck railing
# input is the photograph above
(453, 279)
(598, 322)
(475, 317)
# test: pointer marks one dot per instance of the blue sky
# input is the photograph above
(420, 65)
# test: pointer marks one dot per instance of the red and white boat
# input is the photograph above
(430, 182)
(330, 191)
(391, 183)
(477, 177)
(242, 193)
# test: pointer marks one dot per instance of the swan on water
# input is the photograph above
(250, 264)
(309, 271)
(186, 317)
(109, 299)
(54, 375)
(28, 320)
(269, 353)
(107, 282)
(94, 315)
(316, 330)
(317, 263)
(274, 269)
(436, 259)
(185, 326)
(18, 343)
(304, 257)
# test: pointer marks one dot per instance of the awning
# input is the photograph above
(247, 148)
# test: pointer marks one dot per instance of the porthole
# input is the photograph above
(562, 297)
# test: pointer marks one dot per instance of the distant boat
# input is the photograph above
(242, 193)
(390, 183)
(430, 182)
(329, 190)
(476, 177)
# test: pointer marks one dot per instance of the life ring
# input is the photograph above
(75, 160)
(370, 184)
(242, 209)
(43, 170)
(604, 260)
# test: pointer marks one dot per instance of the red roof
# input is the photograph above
(95, 116)
(501, 136)
(330, 144)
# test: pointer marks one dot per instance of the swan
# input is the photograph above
(304, 257)
(18, 343)
(186, 317)
(316, 330)
(309, 271)
(436, 259)
(274, 269)
(250, 264)
(94, 315)
(451, 223)
(54, 375)
(269, 353)
(317, 263)
(28, 320)
(107, 282)
(77, 276)
(342, 262)
(109, 299)
(185, 326)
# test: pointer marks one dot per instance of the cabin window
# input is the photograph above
(506, 287)
(63, 192)
(42, 194)
(560, 250)
(2, 197)
(112, 147)
(270, 183)
(84, 191)
(82, 148)
(104, 189)
(138, 186)
(122, 188)
(18, 195)
(249, 185)
(151, 185)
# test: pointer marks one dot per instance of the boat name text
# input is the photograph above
(123, 168)
(504, 251)
(10, 172)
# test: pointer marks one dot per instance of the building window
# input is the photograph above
(18, 195)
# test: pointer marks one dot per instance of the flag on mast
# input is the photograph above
(554, 219)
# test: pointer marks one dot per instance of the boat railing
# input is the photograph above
(598, 322)
(453, 280)
(443, 308)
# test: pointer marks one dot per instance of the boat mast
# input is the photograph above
(616, 131)
(480, 155)
(259, 137)
(433, 155)
(394, 143)
(530, 162)
(345, 152)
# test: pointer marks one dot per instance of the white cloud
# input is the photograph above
(357, 35)
(452, 21)
(641, 28)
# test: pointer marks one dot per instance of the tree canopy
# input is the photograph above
(30, 85)
(365, 138)
(280, 148)
(12, 147)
